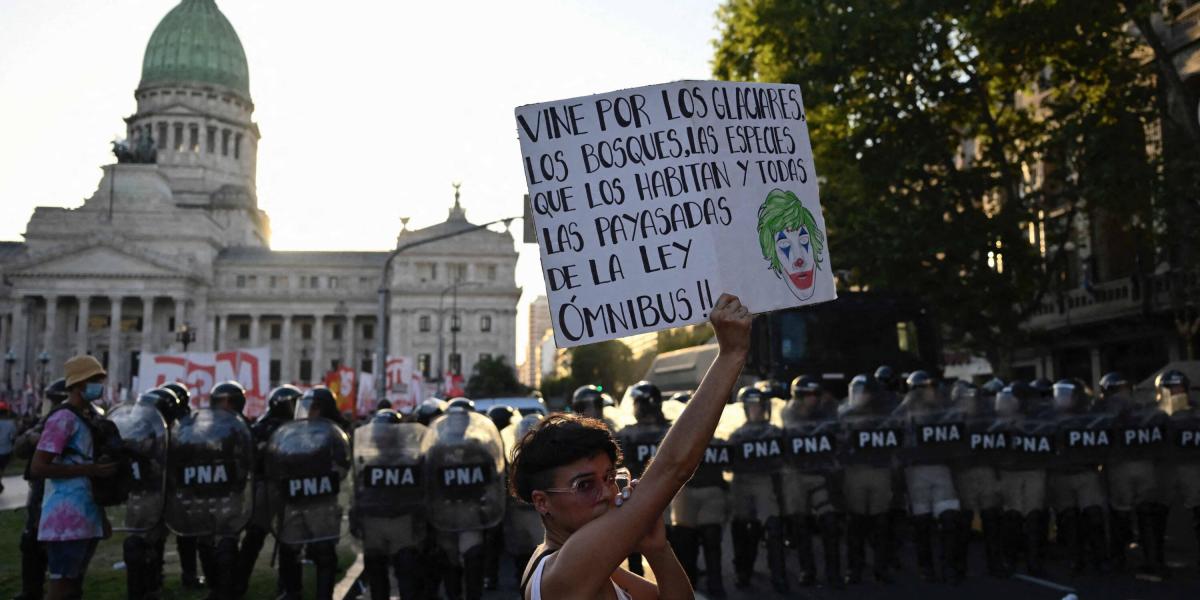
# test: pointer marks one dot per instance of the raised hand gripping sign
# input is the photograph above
(650, 202)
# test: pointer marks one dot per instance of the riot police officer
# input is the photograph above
(975, 475)
(933, 500)
(502, 417)
(639, 441)
(810, 502)
(590, 401)
(1176, 397)
(523, 526)
(307, 458)
(33, 554)
(872, 439)
(186, 546)
(1021, 471)
(758, 447)
(698, 515)
(281, 404)
(428, 410)
(143, 425)
(1076, 490)
(1141, 430)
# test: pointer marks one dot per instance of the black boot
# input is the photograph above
(1092, 521)
(1122, 535)
(157, 551)
(746, 534)
(1069, 539)
(993, 543)
(881, 529)
(247, 555)
(1151, 539)
(856, 547)
(953, 531)
(685, 542)
(186, 547)
(712, 538)
(33, 565)
(1195, 527)
(406, 565)
(375, 569)
(324, 557)
(775, 555)
(136, 554)
(221, 581)
(1034, 530)
(831, 544)
(923, 540)
(493, 540)
(291, 574)
(1012, 537)
(206, 551)
(804, 525)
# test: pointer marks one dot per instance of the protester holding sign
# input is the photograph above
(566, 468)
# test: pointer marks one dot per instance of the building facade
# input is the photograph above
(173, 237)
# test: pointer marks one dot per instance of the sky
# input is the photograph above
(369, 110)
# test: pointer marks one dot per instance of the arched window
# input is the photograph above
(423, 323)
(485, 323)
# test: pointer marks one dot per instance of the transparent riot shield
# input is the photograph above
(812, 445)
(389, 484)
(757, 448)
(208, 480)
(306, 461)
(639, 443)
(144, 436)
(464, 462)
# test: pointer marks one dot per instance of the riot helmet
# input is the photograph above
(164, 400)
(429, 410)
(386, 416)
(281, 403)
(383, 404)
(588, 400)
(991, 387)
(56, 392)
(526, 423)
(1174, 391)
(460, 403)
(181, 392)
(887, 378)
(318, 402)
(1069, 395)
(756, 404)
(683, 397)
(502, 415)
(647, 402)
(806, 385)
(1043, 387)
(1115, 390)
(965, 397)
(862, 393)
(921, 388)
(773, 388)
(229, 395)
(1007, 402)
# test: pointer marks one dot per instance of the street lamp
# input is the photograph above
(43, 359)
(9, 359)
(385, 294)
(454, 328)
(185, 335)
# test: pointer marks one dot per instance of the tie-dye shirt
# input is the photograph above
(68, 510)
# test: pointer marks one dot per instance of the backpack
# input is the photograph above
(107, 447)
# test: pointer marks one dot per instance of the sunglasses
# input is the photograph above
(589, 488)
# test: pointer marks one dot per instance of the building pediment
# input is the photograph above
(100, 259)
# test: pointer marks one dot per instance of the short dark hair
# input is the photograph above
(556, 441)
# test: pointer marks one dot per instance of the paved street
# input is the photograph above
(15, 490)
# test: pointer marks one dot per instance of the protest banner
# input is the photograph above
(650, 202)
(404, 383)
(199, 371)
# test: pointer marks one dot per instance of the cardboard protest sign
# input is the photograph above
(650, 202)
(200, 371)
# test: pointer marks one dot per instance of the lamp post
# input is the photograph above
(454, 327)
(9, 360)
(43, 359)
(385, 294)
(185, 335)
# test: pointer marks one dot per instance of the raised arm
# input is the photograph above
(591, 554)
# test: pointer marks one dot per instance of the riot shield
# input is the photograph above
(871, 439)
(144, 435)
(1085, 439)
(1141, 435)
(639, 443)
(388, 476)
(523, 529)
(986, 441)
(935, 437)
(464, 464)
(1032, 444)
(757, 448)
(812, 445)
(1184, 433)
(208, 480)
(306, 462)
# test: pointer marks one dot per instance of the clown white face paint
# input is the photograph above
(795, 252)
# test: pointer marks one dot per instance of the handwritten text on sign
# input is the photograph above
(650, 202)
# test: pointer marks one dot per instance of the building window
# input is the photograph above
(337, 331)
(276, 331)
(427, 271)
(171, 324)
(194, 138)
(243, 331)
(252, 281)
(455, 323)
(455, 363)
(273, 281)
(241, 281)
(162, 136)
(333, 365)
(423, 361)
(305, 370)
(365, 282)
(210, 140)
(491, 272)
(485, 323)
(333, 283)
(178, 137)
(237, 146)
(368, 331)
(314, 282)
(225, 142)
(483, 356)
(423, 323)
(276, 369)
(365, 366)
(306, 331)
(457, 271)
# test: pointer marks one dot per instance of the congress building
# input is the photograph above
(173, 241)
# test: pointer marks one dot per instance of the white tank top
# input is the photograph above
(535, 582)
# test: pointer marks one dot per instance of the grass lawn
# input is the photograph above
(106, 583)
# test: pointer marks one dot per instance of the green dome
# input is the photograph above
(196, 43)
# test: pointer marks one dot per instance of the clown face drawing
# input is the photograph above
(791, 242)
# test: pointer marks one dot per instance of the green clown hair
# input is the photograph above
(783, 211)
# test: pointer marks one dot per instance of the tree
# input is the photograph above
(493, 377)
(683, 337)
(608, 364)
(957, 143)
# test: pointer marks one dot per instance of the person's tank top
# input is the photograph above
(535, 580)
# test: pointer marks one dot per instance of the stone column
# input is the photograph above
(219, 332)
(286, 374)
(147, 325)
(85, 315)
(114, 344)
(254, 321)
(20, 335)
(348, 344)
(180, 315)
(5, 332)
(204, 324)
(51, 332)
(319, 347)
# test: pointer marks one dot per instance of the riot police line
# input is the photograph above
(796, 472)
